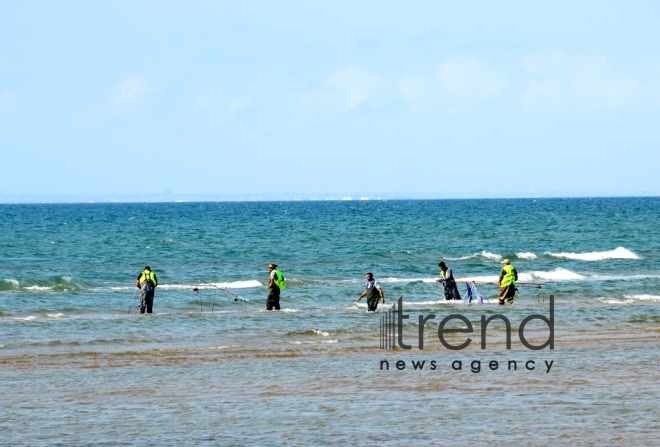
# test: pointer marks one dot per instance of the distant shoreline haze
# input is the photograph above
(173, 198)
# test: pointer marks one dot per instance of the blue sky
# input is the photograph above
(131, 100)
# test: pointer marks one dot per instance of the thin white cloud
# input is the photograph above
(351, 87)
(459, 80)
(130, 94)
(344, 91)
(561, 80)
(469, 79)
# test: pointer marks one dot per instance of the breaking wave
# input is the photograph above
(223, 285)
(617, 253)
(484, 254)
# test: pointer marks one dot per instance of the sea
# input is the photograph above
(80, 366)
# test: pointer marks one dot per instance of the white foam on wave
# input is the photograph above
(223, 285)
(381, 307)
(617, 253)
(643, 297)
(478, 279)
(418, 304)
(310, 342)
(526, 255)
(30, 318)
(60, 315)
(613, 301)
(240, 284)
(406, 280)
(321, 333)
(13, 282)
(483, 254)
(488, 255)
(38, 288)
(558, 274)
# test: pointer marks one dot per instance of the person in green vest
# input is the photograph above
(146, 282)
(275, 286)
(507, 281)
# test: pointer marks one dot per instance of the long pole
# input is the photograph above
(132, 298)
(227, 291)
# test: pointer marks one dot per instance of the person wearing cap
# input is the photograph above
(275, 286)
(373, 292)
(507, 281)
(448, 282)
(146, 282)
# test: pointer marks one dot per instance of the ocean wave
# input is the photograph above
(558, 274)
(54, 284)
(617, 253)
(381, 307)
(286, 311)
(643, 297)
(390, 280)
(613, 301)
(59, 315)
(318, 332)
(526, 255)
(314, 342)
(29, 318)
(8, 284)
(478, 279)
(426, 304)
(222, 285)
(38, 288)
(484, 254)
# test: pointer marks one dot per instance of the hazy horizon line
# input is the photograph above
(167, 197)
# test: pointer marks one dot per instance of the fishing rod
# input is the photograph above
(235, 297)
(227, 291)
(520, 284)
(129, 307)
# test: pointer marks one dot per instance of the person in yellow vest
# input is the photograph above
(507, 281)
(275, 286)
(146, 282)
(448, 281)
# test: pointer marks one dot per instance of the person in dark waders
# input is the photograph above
(146, 282)
(448, 281)
(507, 281)
(275, 286)
(373, 292)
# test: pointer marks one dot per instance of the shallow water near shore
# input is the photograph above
(80, 366)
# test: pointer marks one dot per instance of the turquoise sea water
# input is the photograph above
(80, 366)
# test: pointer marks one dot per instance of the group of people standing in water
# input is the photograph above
(147, 282)
(507, 282)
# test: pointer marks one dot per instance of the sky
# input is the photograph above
(195, 100)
